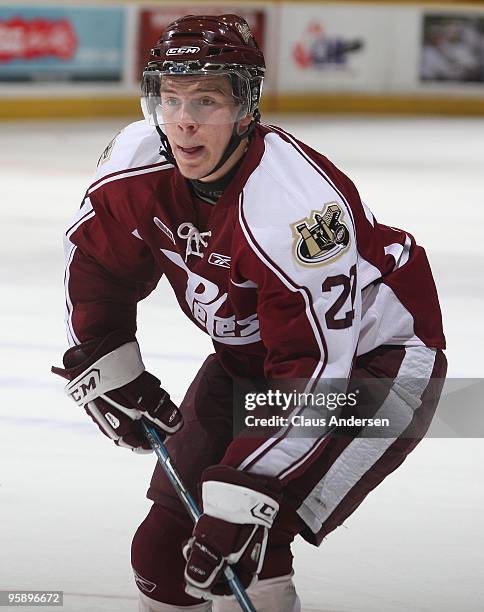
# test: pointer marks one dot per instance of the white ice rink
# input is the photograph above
(70, 501)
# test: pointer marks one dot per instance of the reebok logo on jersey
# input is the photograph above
(321, 237)
(219, 260)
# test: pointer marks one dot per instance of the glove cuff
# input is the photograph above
(112, 371)
(233, 496)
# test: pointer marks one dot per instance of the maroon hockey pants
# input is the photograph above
(207, 408)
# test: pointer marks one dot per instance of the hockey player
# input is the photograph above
(269, 250)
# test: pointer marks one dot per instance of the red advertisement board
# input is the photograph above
(27, 39)
(61, 43)
(153, 21)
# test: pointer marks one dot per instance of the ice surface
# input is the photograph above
(70, 501)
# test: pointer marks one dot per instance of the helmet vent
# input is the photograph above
(187, 35)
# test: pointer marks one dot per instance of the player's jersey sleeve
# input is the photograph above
(108, 266)
(300, 251)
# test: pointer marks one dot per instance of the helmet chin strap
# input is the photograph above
(165, 150)
(235, 140)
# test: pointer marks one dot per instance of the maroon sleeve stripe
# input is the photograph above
(159, 165)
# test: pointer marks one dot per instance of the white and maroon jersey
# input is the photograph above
(289, 273)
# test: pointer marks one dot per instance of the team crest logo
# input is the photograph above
(196, 240)
(321, 237)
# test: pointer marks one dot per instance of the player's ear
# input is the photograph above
(245, 122)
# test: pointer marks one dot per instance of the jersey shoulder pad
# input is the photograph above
(135, 146)
(293, 212)
(295, 183)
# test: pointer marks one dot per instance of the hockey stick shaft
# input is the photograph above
(191, 506)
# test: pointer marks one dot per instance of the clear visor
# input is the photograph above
(196, 97)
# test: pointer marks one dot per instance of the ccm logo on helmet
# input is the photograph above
(85, 386)
(182, 50)
(265, 512)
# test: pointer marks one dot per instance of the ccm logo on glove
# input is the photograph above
(80, 389)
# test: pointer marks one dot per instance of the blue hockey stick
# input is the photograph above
(191, 507)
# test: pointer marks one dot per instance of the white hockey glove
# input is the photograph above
(108, 378)
(238, 511)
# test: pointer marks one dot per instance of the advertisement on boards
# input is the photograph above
(332, 47)
(65, 44)
(452, 48)
(154, 20)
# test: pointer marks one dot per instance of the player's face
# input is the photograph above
(201, 124)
